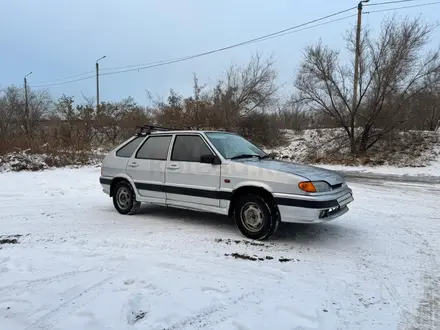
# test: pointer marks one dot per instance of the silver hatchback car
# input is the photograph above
(220, 172)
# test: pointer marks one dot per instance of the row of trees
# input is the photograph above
(399, 88)
(399, 83)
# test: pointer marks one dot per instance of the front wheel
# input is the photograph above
(124, 199)
(255, 217)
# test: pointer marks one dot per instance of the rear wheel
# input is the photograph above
(256, 217)
(124, 198)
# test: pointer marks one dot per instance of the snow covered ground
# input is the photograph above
(415, 154)
(78, 264)
(431, 170)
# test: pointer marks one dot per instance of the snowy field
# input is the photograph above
(78, 264)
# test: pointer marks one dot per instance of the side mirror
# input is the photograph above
(209, 159)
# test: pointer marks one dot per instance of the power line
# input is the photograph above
(65, 78)
(387, 3)
(313, 26)
(404, 7)
(293, 29)
(265, 37)
(180, 59)
(138, 65)
(221, 49)
(62, 83)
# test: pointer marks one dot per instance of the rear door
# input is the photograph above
(187, 180)
(147, 167)
(112, 166)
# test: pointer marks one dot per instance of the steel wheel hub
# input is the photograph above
(252, 217)
(124, 198)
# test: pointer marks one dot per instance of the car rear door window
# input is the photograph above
(155, 148)
(127, 150)
(189, 148)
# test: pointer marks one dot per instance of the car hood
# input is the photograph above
(309, 172)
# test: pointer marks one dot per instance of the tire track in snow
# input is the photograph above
(428, 311)
(214, 263)
(43, 322)
(427, 314)
(32, 284)
(203, 318)
(140, 249)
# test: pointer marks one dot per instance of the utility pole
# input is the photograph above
(97, 82)
(357, 56)
(26, 103)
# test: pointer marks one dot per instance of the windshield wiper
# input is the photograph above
(267, 156)
(242, 156)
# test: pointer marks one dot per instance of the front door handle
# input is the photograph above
(173, 167)
(133, 164)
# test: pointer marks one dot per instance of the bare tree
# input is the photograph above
(294, 114)
(254, 85)
(169, 113)
(245, 89)
(425, 109)
(64, 108)
(10, 104)
(393, 68)
(196, 108)
(39, 108)
(114, 119)
(426, 104)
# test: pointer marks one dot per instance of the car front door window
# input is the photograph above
(189, 149)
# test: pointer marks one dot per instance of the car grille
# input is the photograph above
(336, 186)
(331, 212)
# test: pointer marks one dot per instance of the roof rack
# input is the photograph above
(147, 129)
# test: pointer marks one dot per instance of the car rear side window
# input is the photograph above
(155, 148)
(127, 150)
(189, 148)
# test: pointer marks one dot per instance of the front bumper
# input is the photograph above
(317, 208)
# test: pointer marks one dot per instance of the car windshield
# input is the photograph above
(234, 146)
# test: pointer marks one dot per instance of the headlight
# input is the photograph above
(312, 187)
(322, 186)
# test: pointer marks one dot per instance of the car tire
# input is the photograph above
(124, 199)
(256, 217)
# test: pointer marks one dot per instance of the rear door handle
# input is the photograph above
(133, 164)
(173, 167)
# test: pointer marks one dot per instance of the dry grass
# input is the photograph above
(331, 146)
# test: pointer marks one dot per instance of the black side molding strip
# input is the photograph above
(149, 186)
(225, 195)
(185, 191)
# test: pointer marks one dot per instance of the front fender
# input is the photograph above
(250, 183)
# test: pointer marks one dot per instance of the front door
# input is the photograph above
(147, 167)
(187, 180)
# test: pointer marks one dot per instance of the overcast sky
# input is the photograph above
(59, 38)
